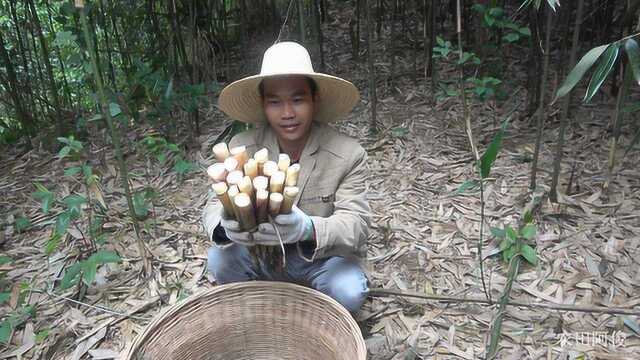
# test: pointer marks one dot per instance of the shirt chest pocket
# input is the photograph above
(318, 201)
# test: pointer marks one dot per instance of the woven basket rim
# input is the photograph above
(219, 290)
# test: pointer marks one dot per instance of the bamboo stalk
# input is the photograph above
(231, 164)
(292, 175)
(262, 205)
(240, 153)
(220, 189)
(244, 209)
(261, 156)
(260, 183)
(283, 162)
(276, 182)
(269, 168)
(235, 177)
(232, 192)
(290, 193)
(217, 172)
(275, 202)
(251, 168)
(221, 151)
(543, 305)
(246, 186)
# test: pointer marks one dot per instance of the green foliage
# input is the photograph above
(443, 49)
(23, 224)
(486, 87)
(606, 56)
(512, 244)
(14, 319)
(467, 185)
(72, 147)
(633, 54)
(43, 195)
(602, 71)
(163, 150)
(489, 157)
(5, 260)
(86, 270)
(494, 19)
(140, 204)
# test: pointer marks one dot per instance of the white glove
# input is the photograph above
(293, 227)
(234, 232)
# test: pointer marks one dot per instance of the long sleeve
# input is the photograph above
(346, 231)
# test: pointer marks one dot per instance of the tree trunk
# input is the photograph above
(14, 91)
(318, 25)
(301, 27)
(45, 57)
(566, 103)
(25, 61)
(65, 83)
(541, 113)
(103, 24)
(391, 46)
(373, 100)
(534, 65)
(354, 29)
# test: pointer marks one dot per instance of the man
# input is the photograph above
(325, 235)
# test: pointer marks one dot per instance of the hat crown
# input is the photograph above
(286, 58)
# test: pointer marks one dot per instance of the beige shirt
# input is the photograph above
(332, 186)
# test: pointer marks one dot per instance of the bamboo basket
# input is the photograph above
(252, 320)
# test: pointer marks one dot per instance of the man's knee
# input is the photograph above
(228, 264)
(349, 288)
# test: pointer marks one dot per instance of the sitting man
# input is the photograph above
(325, 235)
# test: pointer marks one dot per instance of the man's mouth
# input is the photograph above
(290, 127)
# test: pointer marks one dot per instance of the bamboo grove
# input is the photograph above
(162, 59)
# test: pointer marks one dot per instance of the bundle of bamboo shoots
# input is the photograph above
(253, 189)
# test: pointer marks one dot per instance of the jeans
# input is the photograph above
(338, 277)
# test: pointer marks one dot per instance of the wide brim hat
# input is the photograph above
(241, 99)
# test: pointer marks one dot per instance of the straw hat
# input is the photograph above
(241, 99)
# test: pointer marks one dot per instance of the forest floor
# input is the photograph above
(424, 236)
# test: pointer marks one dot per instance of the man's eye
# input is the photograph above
(273, 102)
(297, 100)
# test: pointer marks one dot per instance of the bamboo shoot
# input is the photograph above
(220, 189)
(251, 168)
(292, 175)
(290, 194)
(244, 209)
(262, 205)
(269, 168)
(276, 182)
(275, 201)
(221, 151)
(240, 153)
(283, 162)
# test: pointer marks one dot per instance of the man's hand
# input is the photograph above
(234, 232)
(293, 227)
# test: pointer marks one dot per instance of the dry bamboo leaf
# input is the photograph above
(84, 346)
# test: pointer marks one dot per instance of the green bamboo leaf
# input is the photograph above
(89, 270)
(114, 109)
(71, 276)
(105, 256)
(529, 254)
(580, 69)
(5, 259)
(5, 332)
(52, 243)
(512, 236)
(467, 185)
(4, 297)
(492, 152)
(633, 54)
(528, 232)
(602, 71)
(499, 233)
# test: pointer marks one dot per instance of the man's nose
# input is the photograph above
(288, 111)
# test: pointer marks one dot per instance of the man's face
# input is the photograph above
(289, 107)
